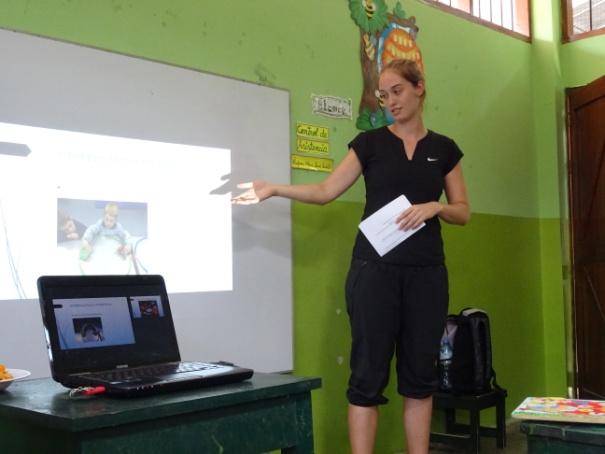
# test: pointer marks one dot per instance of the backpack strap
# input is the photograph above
(468, 311)
(496, 386)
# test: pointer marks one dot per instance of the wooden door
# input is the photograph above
(586, 167)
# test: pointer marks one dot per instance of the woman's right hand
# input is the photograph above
(255, 192)
(343, 176)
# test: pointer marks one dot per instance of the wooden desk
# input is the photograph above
(268, 412)
(546, 437)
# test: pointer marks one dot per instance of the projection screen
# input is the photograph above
(85, 134)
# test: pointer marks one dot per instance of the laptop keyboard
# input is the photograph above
(138, 373)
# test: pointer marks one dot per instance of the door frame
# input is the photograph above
(567, 243)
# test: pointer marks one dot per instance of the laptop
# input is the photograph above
(117, 332)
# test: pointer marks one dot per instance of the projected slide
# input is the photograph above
(76, 203)
(93, 322)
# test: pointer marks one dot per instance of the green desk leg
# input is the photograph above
(304, 424)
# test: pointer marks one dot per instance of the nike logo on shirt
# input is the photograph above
(432, 159)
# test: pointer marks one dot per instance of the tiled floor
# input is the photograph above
(516, 443)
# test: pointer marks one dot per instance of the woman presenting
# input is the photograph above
(397, 303)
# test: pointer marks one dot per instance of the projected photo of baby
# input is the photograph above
(149, 309)
(146, 306)
(88, 329)
(100, 236)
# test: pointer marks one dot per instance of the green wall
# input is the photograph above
(499, 97)
(547, 105)
(582, 61)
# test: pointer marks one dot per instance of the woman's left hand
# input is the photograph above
(417, 214)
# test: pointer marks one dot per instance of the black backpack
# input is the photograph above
(470, 370)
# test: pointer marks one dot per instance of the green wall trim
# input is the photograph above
(554, 311)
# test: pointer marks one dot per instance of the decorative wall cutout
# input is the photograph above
(384, 36)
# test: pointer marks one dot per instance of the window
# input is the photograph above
(582, 18)
(509, 16)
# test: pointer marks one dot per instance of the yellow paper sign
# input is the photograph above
(312, 146)
(312, 163)
(312, 131)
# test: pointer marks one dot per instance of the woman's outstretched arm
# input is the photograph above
(333, 186)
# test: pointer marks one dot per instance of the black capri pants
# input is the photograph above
(397, 310)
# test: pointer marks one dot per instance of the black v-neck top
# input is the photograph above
(388, 173)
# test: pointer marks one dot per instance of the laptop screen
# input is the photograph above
(100, 322)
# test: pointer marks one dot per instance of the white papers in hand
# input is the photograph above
(382, 231)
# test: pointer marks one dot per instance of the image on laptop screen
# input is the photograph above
(103, 322)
